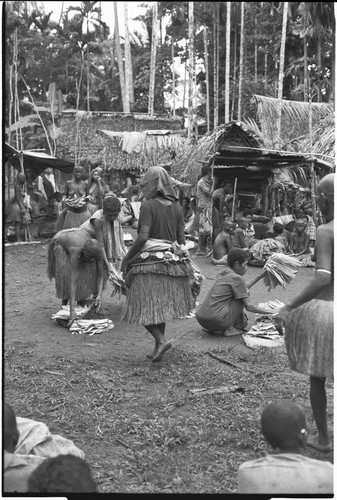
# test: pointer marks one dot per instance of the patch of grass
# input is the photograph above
(142, 430)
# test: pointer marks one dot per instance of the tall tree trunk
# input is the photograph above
(255, 49)
(281, 75)
(305, 62)
(190, 69)
(153, 56)
(234, 70)
(207, 79)
(216, 64)
(319, 65)
(173, 80)
(120, 59)
(228, 58)
(242, 36)
(88, 77)
(266, 66)
(128, 61)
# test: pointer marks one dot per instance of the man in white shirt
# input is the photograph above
(287, 471)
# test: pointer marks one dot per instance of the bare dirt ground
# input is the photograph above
(30, 302)
(140, 428)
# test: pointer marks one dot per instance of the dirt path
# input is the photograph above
(30, 302)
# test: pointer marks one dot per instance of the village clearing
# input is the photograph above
(144, 427)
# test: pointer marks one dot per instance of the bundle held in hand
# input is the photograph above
(281, 270)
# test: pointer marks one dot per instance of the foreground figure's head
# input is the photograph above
(62, 474)
(325, 195)
(284, 425)
(237, 260)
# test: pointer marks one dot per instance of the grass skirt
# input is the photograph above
(158, 292)
(68, 219)
(309, 338)
(59, 268)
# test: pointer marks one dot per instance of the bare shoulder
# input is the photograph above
(325, 230)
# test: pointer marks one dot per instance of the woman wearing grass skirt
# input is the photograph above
(308, 319)
(157, 269)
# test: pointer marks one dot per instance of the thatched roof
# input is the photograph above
(188, 164)
(295, 118)
(236, 150)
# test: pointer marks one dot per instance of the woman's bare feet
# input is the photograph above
(160, 351)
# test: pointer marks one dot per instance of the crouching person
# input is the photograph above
(223, 307)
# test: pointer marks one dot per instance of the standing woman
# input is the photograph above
(96, 190)
(309, 322)
(76, 210)
(156, 269)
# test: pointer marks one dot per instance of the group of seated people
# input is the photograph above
(36, 461)
(296, 238)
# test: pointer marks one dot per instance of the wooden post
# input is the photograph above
(234, 196)
(265, 198)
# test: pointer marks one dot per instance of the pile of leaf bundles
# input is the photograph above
(281, 270)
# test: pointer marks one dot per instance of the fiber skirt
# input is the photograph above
(87, 276)
(68, 219)
(152, 299)
(309, 338)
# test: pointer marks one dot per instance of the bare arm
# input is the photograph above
(255, 309)
(99, 237)
(255, 280)
(99, 268)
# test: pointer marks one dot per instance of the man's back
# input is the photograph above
(285, 473)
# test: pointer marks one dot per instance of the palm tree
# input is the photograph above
(125, 97)
(242, 35)
(153, 56)
(128, 60)
(228, 44)
(191, 68)
(281, 74)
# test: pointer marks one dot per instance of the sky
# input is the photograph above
(134, 10)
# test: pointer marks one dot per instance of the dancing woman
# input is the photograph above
(156, 269)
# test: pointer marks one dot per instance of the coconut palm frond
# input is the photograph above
(25, 121)
(253, 126)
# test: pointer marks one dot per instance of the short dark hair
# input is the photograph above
(239, 255)
(111, 203)
(62, 474)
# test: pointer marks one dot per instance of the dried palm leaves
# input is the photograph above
(281, 270)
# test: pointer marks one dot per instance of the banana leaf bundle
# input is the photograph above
(281, 270)
(118, 282)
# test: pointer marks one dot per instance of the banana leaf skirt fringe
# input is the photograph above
(59, 268)
(158, 291)
(309, 338)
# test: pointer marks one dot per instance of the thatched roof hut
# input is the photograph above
(237, 152)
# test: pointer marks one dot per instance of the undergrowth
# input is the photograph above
(141, 427)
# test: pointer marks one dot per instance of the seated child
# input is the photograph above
(224, 304)
(286, 471)
(26, 445)
(223, 243)
(299, 244)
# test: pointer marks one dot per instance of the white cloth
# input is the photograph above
(286, 473)
(36, 443)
